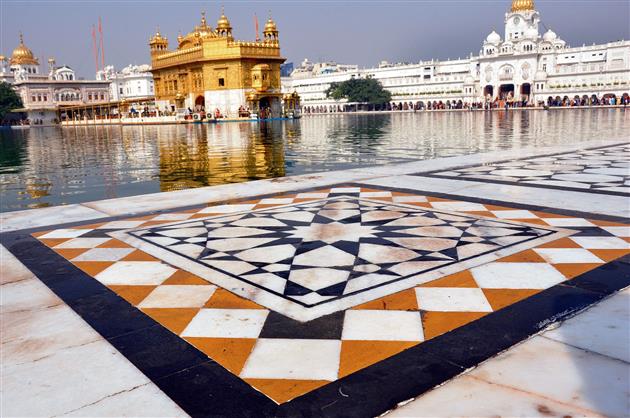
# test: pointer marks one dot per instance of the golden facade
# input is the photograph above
(211, 70)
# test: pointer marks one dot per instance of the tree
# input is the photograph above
(359, 90)
(9, 99)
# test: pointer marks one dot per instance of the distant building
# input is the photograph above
(523, 66)
(43, 94)
(211, 70)
(131, 83)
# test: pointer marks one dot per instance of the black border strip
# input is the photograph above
(203, 388)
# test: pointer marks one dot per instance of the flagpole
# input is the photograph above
(100, 30)
(94, 47)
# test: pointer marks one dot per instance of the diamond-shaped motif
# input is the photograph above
(310, 259)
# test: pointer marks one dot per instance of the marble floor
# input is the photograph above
(346, 299)
(602, 170)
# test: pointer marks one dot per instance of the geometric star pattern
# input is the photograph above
(284, 358)
(319, 252)
(601, 170)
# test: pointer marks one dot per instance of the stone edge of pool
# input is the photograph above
(154, 202)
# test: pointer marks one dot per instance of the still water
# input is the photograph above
(53, 166)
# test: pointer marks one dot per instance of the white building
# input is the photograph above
(523, 67)
(131, 83)
(44, 94)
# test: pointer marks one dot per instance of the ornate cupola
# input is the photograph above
(223, 25)
(522, 5)
(158, 44)
(270, 33)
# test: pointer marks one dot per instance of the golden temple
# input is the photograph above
(213, 72)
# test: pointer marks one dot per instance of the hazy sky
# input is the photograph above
(361, 32)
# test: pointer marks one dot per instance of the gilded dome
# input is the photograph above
(23, 55)
(522, 5)
(270, 26)
(223, 22)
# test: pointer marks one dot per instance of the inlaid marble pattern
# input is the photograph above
(284, 358)
(310, 259)
(601, 170)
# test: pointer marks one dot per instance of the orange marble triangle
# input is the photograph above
(222, 299)
(132, 294)
(527, 256)
(184, 277)
(560, 243)
(231, 353)
(175, 319)
(283, 390)
(573, 270)
(356, 355)
(610, 255)
(461, 279)
(500, 298)
(114, 243)
(51, 242)
(438, 323)
(92, 267)
(401, 301)
(70, 253)
(138, 255)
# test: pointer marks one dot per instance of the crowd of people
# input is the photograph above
(505, 102)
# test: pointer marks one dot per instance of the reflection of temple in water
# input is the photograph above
(206, 155)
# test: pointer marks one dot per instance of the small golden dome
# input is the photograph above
(3, 58)
(270, 26)
(522, 5)
(23, 55)
(223, 22)
(158, 36)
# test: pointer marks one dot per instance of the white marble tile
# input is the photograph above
(276, 201)
(82, 243)
(567, 255)
(318, 278)
(293, 359)
(459, 206)
(452, 299)
(228, 208)
(64, 233)
(121, 225)
(28, 294)
(469, 397)
(11, 269)
(311, 195)
(178, 296)
(382, 325)
(271, 254)
(516, 276)
(67, 380)
(601, 243)
(104, 254)
(562, 373)
(226, 323)
(619, 231)
(568, 222)
(30, 335)
(602, 329)
(33, 218)
(142, 401)
(514, 214)
(135, 273)
(324, 257)
(172, 217)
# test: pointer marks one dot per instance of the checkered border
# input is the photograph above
(190, 379)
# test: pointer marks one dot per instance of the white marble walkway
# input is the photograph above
(579, 368)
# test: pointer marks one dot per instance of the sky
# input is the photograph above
(352, 32)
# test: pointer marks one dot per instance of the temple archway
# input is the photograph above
(200, 104)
